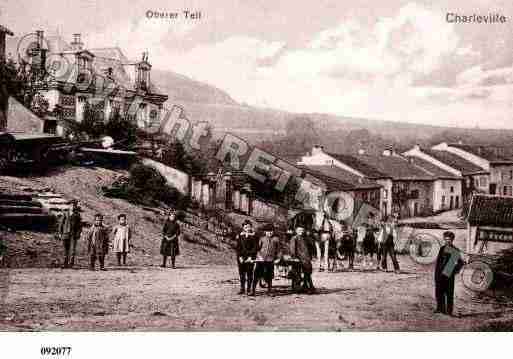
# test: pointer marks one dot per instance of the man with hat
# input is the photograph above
(69, 228)
(268, 246)
(299, 249)
(246, 249)
(448, 263)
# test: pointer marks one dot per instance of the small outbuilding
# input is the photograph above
(490, 224)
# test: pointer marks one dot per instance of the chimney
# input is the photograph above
(40, 37)
(317, 149)
(460, 142)
(361, 151)
(77, 43)
(416, 147)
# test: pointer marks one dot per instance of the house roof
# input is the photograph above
(455, 161)
(490, 210)
(393, 166)
(332, 184)
(359, 165)
(398, 167)
(345, 176)
(492, 154)
(103, 58)
(432, 169)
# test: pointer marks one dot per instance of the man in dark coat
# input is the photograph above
(388, 246)
(97, 242)
(169, 246)
(448, 263)
(299, 249)
(246, 248)
(69, 228)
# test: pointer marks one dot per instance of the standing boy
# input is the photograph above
(268, 247)
(169, 247)
(247, 246)
(299, 249)
(121, 236)
(448, 264)
(97, 242)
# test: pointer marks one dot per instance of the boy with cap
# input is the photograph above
(448, 263)
(246, 248)
(299, 249)
(268, 247)
(97, 242)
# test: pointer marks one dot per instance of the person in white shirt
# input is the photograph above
(121, 235)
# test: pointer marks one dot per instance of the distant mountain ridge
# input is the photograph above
(181, 88)
(204, 102)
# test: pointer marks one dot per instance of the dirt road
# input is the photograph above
(204, 298)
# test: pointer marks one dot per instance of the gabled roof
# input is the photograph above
(332, 184)
(455, 161)
(432, 169)
(490, 210)
(345, 176)
(491, 154)
(359, 165)
(103, 58)
(393, 166)
(397, 167)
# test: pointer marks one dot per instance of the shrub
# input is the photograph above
(146, 186)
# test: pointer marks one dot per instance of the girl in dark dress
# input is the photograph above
(169, 246)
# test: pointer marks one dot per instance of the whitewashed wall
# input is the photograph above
(174, 177)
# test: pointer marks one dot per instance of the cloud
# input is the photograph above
(412, 66)
(401, 48)
(135, 37)
(476, 76)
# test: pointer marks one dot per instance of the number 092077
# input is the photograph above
(55, 351)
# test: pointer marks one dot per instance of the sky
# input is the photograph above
(393, 60)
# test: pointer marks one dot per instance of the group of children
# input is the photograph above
(98, 237)
(258, 254)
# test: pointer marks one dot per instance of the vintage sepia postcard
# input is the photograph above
(320, 166)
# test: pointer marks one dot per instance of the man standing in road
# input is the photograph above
(388, 246)
(448, 263)
(69, 228)
(247, 246)
(299, 249)
(76, 230)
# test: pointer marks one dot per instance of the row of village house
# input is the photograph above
(420, 181)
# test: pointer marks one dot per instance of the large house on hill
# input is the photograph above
(103, 78)
(409, 188)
